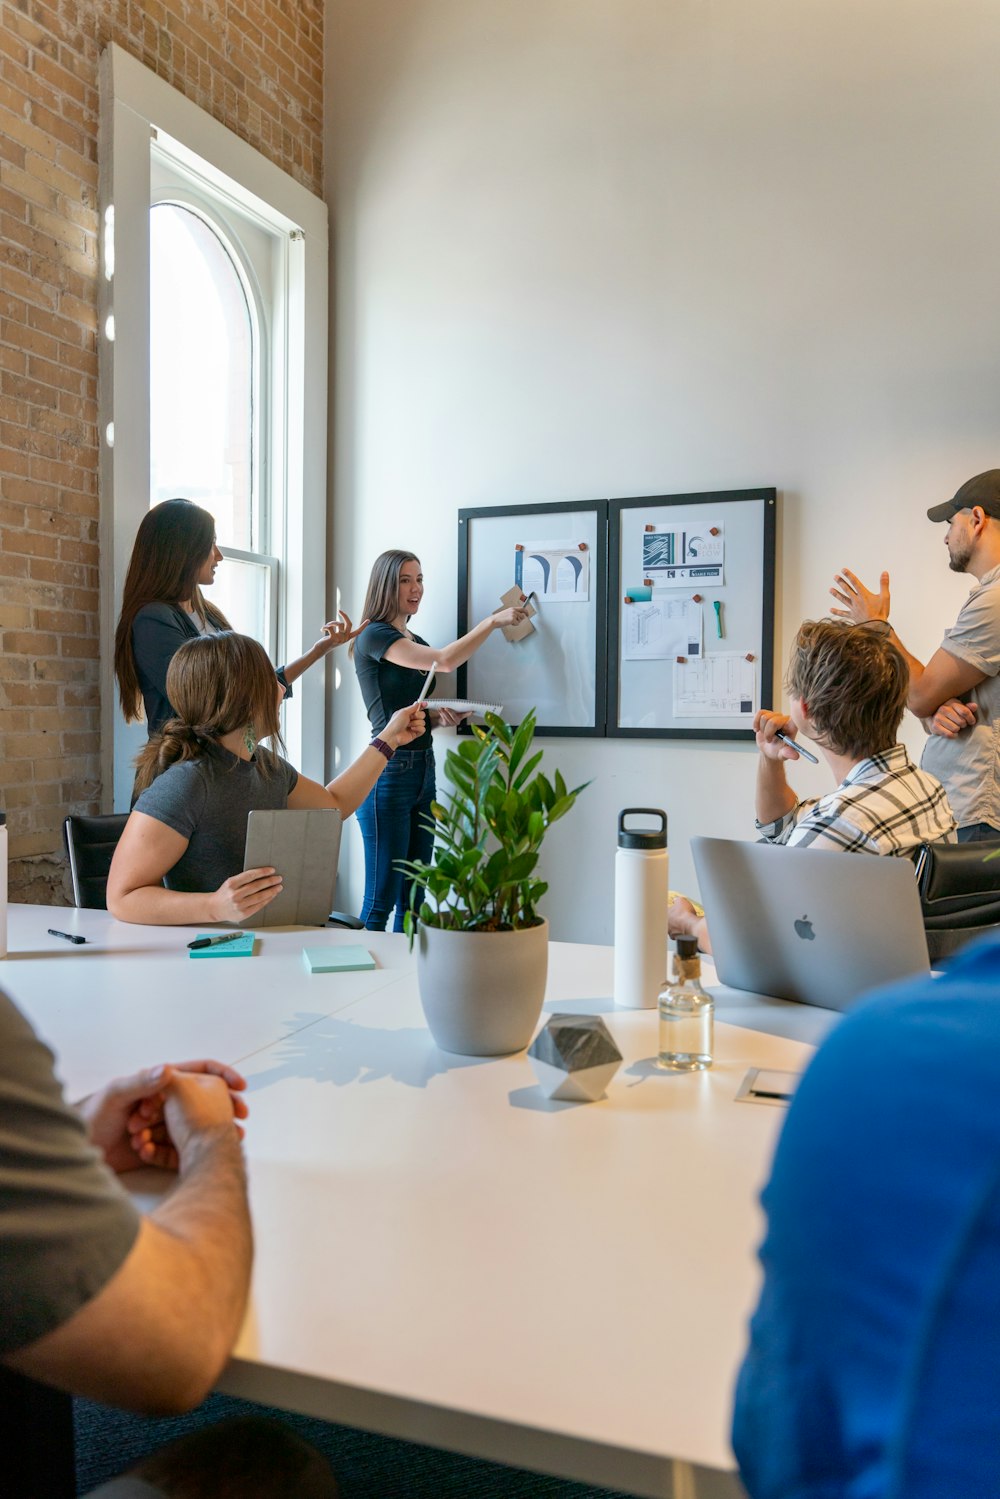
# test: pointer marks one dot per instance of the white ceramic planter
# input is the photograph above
(482, 992)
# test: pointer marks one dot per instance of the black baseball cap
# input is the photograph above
(983, 490)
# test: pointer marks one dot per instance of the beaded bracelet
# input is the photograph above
(382, 747)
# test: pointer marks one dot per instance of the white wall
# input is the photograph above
(620, 247)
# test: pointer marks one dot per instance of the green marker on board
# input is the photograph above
(717, 606)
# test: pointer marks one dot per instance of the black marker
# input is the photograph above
(806, 755)
(212, 941)
(66, 936)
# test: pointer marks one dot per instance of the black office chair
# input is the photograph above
(90, 846)
(341, 918)
(959, 885)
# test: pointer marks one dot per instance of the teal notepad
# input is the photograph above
(240, 947)
(337, 959)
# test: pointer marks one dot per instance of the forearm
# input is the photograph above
(775, 798)
(914, 701)
(350, 788)
(208, 1218)
(456, 654)
(156, 1337)
(152, 905)
(294, 669)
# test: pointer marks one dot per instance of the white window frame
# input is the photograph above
(134, 104)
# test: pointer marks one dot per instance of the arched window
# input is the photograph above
(204, 374)
(212, 377)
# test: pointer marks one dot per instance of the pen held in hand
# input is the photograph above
(421, 695)
(806, 754)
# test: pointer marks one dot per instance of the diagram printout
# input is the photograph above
(557, 572)
(717, 686)
(659, 628)
(685, 556)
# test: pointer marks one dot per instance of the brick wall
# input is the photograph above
(257, 67)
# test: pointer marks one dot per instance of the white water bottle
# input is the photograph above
(641, 888)
(3, 884)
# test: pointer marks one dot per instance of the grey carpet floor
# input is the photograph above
(367, 1467)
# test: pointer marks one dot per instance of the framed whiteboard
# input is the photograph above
(557, 554)
(691, 649)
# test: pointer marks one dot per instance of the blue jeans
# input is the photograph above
(392, 818)
(978, 832)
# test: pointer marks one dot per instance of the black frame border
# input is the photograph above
(598, 582)
(769, 498)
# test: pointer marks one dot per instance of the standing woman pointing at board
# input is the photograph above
(391, 663)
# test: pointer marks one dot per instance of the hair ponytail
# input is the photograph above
(176, 742)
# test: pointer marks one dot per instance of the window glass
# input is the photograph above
(202, 377)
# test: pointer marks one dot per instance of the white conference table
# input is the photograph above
(443, 1255)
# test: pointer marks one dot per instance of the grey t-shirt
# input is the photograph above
(969, 766)
(207, 801)
(66, 1226)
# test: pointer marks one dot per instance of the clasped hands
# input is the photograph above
(151, 1117)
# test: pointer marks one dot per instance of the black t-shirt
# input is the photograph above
(385, 686)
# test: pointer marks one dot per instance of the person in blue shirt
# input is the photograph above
(873, 1370)
(392, 663)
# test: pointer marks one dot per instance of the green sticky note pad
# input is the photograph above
(337, 959)
(240, 947)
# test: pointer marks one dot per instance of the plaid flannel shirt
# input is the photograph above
(884, 805)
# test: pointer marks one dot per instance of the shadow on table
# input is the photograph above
(342, 1052)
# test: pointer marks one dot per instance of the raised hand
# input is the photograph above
(504, 617)
(244, 894)
(860, 604)
(767, 726)
(338, 632)
(405, 725)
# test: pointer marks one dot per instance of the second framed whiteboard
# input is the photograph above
(692, 646)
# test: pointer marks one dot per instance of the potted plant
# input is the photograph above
(482, 948)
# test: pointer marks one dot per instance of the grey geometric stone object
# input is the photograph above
(574, 1057)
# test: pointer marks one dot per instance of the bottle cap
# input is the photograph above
(3, 818)
(642, 837)
(687, 947)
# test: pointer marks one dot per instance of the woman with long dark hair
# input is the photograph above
(391, 663)
(180, 858)
(174, 557)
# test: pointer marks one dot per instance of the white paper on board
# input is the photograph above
(723, 685)
(687, 555)
(557, 572)
(659, 628)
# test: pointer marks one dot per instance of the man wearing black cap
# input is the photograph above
(957, 693)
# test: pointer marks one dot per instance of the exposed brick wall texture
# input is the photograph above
(255, 66)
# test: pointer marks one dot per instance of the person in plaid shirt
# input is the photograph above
(848, 685)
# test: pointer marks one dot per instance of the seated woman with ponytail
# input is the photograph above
(180, 858)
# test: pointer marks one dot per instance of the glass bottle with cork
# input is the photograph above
(686, 1014)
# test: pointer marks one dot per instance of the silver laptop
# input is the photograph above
(806, 924)
(303, 847)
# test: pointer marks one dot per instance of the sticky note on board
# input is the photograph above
(337, 959)
(515, 599)
(239, 947)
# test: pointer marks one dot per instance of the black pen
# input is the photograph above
(66, 936)
(762, 1093)
(214, 941)
(806, 755)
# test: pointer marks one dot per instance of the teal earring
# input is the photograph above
(250, 739)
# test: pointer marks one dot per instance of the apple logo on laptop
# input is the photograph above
(804, 929)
